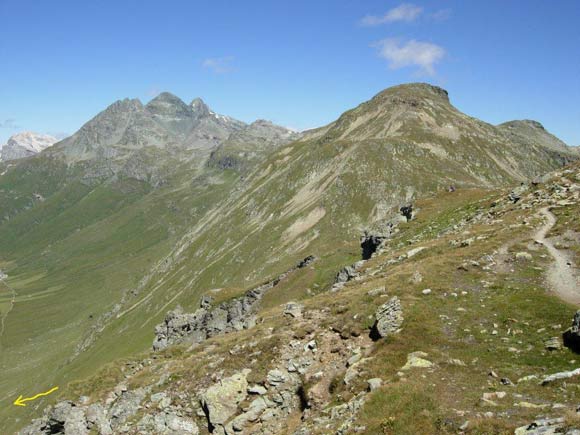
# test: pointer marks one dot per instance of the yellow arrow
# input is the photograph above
(20, 401)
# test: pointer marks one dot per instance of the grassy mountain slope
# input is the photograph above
(98, 264)
(482, 327)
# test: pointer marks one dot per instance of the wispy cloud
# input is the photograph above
(405, 12)
(8, 123)
(441, 15)
(58, 135)
(219, 65)
(412, 53)
(153, 91)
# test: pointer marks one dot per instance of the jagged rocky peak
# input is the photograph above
(167, 102)
(124, 105)
(199, 107)
(25, 144)
(172, 113)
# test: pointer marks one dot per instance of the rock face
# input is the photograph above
(389, 318)
(572, 335)
(76, 419)
(251, 144)
(235, 315)
(533, 132)
(25, 144)
(165, 122)
(208, 321)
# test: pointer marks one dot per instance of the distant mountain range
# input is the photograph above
(25, 144)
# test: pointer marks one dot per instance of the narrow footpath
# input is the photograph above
(561, 276)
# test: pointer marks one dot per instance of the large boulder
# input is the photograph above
(389, 318)
(220, 401)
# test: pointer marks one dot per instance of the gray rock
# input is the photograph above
(75, 422)
(559, 376)
(346, 274)
(543, 426)
(389, 318)
(552, 344)
(276, 377)
(220, 401)
(97, 418)
(257, 389)
(234, 315)
(293, 309)
(167, 424)
(375, 383)
(126, 406)
(255, 410)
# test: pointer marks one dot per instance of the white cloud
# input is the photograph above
(8, 123)
(400, 54)
(441, 15)
(406, 12)
(219, 65)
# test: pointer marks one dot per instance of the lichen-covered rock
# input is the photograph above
(417, 360)
(293, 309)
(167, 424)
(220, 401)
(96, 416)
(389, 318)
(127, 405)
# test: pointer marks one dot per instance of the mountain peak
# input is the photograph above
(523, 123)
(166, 103)
(414, 91)
(166, 98)
(126, 104)
(26, 144)
(199, 107)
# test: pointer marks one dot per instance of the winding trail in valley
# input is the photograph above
(561, 275)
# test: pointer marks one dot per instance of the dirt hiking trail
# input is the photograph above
(561, 276)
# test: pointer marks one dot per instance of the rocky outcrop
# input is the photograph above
(167, 423)
(220, 401)
(348, 273)
(208, 321)
(72, 418)
(389, 318)
(559, 376)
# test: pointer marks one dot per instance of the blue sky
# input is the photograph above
(299, 63)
